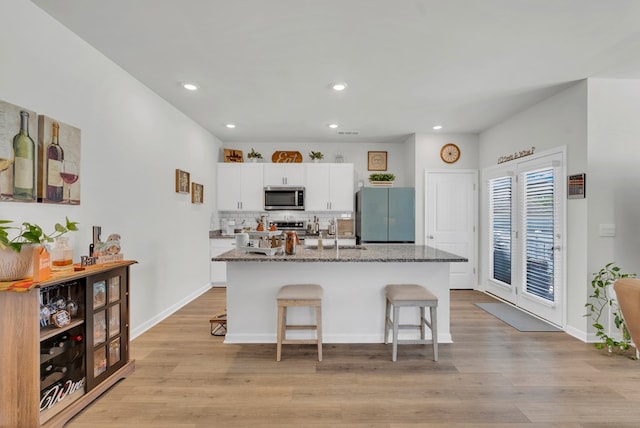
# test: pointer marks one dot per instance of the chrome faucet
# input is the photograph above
(335, 234)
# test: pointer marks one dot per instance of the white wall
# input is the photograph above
(560, 120)
(613, 181)
(132, 142)
(427, 156)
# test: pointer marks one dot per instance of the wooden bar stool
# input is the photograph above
(299, 295)
(411, 295)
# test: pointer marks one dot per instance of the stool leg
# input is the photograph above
(434, 331)
(422, 323)
(387, 314)
(319, 330)
(396, 320)
(280, 332)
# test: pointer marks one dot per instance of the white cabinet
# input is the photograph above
(329, 187)
(218, 270)
(287, 174)
(240, 187)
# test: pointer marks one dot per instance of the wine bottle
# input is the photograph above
(65, 342)
(55, 156)
(50, 369)
(24, 164)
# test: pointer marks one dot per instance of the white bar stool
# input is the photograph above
(410, 295)
(299, 295)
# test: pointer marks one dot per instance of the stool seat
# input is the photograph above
(411, 292)
(299, 295)
(300, 292)
(410, 295)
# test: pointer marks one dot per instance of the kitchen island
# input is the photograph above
(353, 280)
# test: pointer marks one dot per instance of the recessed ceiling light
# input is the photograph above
(333, 125)
(190, 86)
(230, 125)
(339, 86)
(437, 127)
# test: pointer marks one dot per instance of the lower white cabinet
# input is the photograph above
(218, 270)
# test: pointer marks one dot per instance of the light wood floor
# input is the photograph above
(492, 376)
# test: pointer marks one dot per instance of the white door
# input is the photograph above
(526, 234)
(450, 220)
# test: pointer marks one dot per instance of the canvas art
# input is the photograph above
(58, 162)
(18, 153)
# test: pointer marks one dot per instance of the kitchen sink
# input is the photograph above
(330, 246)
(352, 247)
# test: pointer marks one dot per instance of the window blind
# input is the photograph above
(539, 220)
(501, 194)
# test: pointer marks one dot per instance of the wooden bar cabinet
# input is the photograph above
(63, 342)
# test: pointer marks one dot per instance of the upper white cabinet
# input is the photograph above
(240, 187)
(329, 187)
(284, 174)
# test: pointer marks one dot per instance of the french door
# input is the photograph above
(526, 211)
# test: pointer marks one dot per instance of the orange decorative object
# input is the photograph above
(286, 157)
(41, 264)
(273, 227)
(260, 228)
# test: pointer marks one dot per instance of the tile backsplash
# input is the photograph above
(249, 217)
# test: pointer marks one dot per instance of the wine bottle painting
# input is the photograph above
(17, 153)
(47, 171)
(59, 163)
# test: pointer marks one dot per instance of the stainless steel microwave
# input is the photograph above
(283, 198)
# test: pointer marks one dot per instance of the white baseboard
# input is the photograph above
(580, 334)
(169, 311)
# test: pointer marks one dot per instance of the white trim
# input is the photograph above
(169, 311)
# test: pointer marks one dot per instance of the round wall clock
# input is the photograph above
(450, 153)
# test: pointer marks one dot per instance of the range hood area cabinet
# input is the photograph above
(284, 174)
(329, 187)
(240, 187)
(385, 214)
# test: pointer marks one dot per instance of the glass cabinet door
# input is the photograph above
(107, 328)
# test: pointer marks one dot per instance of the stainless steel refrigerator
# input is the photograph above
(385, 214)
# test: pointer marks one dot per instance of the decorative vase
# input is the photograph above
(254, 160)
(316, 160)
(15, 266)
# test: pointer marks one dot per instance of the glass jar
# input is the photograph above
(61, 255)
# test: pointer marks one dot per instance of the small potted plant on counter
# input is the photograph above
(16, 253)
(316, 156)
(385, 179)
(254, 156)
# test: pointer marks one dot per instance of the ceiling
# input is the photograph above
(267, 66)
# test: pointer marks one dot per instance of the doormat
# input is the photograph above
(516, 318)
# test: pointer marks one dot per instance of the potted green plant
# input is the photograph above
(316, 156)
(254, 156)
(382, 179)
(16, 252)
(602, 297)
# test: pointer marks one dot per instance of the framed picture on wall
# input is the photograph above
(197, 193)
(182, 181)
(377, 161)
(58, 162)
(18, 126)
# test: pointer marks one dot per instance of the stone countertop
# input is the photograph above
(362, 253)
